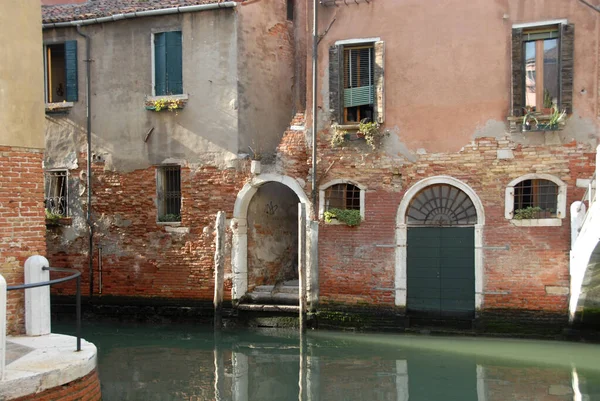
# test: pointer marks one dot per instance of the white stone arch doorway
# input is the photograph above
(239, 226)
(402, 230)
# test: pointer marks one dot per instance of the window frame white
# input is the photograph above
(324, 187)
(561, 202)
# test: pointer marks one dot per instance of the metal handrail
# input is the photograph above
(76, 275)
(589, 194)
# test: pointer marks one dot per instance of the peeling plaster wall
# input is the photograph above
(447, 86)
(206, 131)
(266, 74)
(272, 235)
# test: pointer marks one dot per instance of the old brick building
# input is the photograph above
(462, 204)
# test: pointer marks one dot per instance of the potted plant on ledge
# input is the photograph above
(370, 131)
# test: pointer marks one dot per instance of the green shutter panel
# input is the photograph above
(518, 73)
(567, 42)
(71, 70)
(378, 76)
(160, 65)
(174, 63)
(336, 91)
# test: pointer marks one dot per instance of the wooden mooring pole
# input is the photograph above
(302, 265)
(219, 268)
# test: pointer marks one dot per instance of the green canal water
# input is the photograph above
(178, 362)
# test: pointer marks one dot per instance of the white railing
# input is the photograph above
(585, 235)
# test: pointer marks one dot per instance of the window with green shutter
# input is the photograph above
(61, 72)
(168, 63)
(356, 82)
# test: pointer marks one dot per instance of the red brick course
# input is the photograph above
(22, 222)
(86, 388)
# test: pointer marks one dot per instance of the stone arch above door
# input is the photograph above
(401, 235)
(239, 226)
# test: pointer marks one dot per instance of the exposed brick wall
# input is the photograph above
(85, 389)
(140, 257)
(22, 222)
(352, 270)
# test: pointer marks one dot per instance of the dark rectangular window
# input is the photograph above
(61, 72)
(168, 188)
(168, 77)
(359, 88)
(56, 192)
(290, 10)
(536, 199)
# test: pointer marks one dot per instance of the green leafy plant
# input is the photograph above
(52, 216)
(530, 212)
(528, 117)
(165, 104)
(556, 117)
(547, 99)
(369, 130)
(349, 216)
(169, 218)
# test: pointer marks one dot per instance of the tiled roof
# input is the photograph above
(105, 8)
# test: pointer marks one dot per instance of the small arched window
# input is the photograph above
(340, 194)
(535, 197)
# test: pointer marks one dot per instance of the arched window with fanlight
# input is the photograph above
(536, 199)
(342, 194)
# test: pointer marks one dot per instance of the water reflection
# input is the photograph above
(186, 363)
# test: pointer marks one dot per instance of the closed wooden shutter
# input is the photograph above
(174, 63)
(336, 58)
(160, 64)
(518, 73)
(71, 70)
(379, 82)
(567, 42)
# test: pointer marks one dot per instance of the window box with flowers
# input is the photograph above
(169, 103)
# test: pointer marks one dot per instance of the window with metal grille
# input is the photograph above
(359, 85)
(535, 199)
(168, 188)
(56, 192)
(342, 196)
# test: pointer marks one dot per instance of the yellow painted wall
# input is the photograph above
(21, 74)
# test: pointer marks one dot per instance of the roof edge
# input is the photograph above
(138, 14)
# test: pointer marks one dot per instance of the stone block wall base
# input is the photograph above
(86, 388)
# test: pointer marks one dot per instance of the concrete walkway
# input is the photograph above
(35, 364)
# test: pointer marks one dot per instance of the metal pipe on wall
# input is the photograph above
(314, 103)
(88, 106)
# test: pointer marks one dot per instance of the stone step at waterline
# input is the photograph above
(269, 308)
(273, 298)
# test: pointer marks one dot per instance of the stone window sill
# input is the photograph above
(63, 221)
(169, 223)
(60, 107)
(556, 222)
(180, 101)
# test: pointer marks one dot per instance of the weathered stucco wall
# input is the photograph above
(448, 85)
(21, 149)
(272, 235)
(21, 76)
(206, 131)
(266, 74)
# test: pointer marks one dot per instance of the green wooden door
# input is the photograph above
(441, 272)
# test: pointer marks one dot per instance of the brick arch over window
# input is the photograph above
(401, 235)
(561, 199)
(329, 184)
(239, 226)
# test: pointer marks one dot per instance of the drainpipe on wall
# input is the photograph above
(314, 104)
(88, 107)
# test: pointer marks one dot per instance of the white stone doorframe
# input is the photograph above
(401, 236)
(239, 226)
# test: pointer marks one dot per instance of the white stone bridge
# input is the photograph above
(584, 305)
